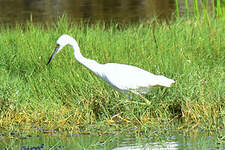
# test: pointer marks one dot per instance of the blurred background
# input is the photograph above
(45, 11)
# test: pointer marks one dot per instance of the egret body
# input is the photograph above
(122, 77)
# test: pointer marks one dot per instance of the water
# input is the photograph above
(125, 11)
(155, 140)
(42, 11)
(45, 11)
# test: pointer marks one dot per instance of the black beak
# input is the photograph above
(53, 54)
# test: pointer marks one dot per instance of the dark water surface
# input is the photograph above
(42, 11)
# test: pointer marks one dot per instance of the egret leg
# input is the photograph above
(145, 99)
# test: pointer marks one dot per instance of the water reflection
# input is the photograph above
(12, 11)
(152, 146)
(171, 140)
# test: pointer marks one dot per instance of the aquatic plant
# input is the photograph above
(197, 8)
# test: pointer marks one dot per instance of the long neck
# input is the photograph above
(89, 63)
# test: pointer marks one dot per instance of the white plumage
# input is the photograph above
(122, 77)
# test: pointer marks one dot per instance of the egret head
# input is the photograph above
(62, 41)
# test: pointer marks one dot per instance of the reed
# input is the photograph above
(197, 8)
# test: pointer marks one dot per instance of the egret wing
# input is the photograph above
(126, 77)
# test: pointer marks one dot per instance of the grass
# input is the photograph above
(197, 8)
(66, 97)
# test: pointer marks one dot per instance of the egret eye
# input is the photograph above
(57, 45)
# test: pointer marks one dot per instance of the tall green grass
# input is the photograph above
(197, 8)
(65, 96)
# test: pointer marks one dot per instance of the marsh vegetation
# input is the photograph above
(65, 96)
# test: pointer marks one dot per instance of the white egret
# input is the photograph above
(122, 77)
